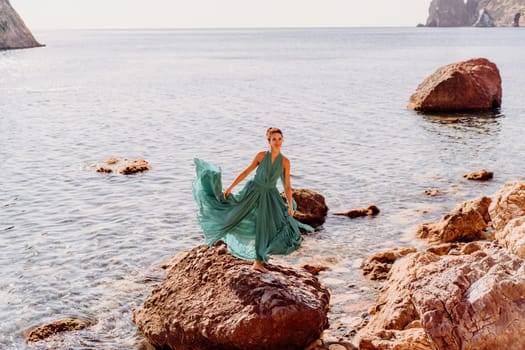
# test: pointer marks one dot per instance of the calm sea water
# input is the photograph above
(78, 243)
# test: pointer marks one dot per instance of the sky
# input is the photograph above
(84, 14)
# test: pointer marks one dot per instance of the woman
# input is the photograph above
(255, 222)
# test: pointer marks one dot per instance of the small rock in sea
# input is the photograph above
(378, 265)
(49, 329)
(372, 210)
(314, 269)
(104, 170)
(135, 166)
(111, 161)
(125, 166)
(432, 192)
(480, 175)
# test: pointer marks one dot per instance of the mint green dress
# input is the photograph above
(253, 223)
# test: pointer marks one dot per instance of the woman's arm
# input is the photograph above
(288, 185)
(254, 164)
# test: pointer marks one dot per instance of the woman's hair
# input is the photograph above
(272, 131)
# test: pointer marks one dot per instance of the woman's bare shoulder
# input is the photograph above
(286, 161)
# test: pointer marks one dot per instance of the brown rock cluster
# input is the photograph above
(470, 85)
(211, 300)
(124, 167)
(371, 210)
(49, 329)
(311, 206)
(458, 295)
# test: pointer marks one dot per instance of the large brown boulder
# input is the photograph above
(13, 32)
(211, 300)
(472, 300)
(464, 222)
(311, 206)
(470, 85)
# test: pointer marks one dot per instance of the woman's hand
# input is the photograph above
(227, 193)
(290, 210)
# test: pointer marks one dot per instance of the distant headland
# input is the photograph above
(474, 13)
(13, 32)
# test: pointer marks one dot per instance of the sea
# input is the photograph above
(88, 245)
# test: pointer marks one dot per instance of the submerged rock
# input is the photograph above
(212, 300)
(13, 32)
(470, 85)
(474, 300)
(466, 221)
(49, 329)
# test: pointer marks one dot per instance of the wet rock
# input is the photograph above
(371, 210)
(432, 192)
(334, 346)
(311, 206)
(135, 166)
(508, 204)
(378, 265)
(125, 166)
(314, 269)
(464, 222)
(215, 301)
(470, 85)
(480, 175)
(13, 32)
(467, 301)
(49, 329)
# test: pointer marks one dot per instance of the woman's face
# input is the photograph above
(276, 140)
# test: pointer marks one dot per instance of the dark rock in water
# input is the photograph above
(371, 210)
(311, 206)
(47, 330)
(472, 85)
(480, 175)
(484, 19)
(216, 301)
(13, 32)
(516, 22)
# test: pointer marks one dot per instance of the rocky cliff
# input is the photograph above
(13, 31)
(459, 13)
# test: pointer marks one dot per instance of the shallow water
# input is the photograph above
(78, 243)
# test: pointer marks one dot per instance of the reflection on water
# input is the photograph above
(480, 122)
